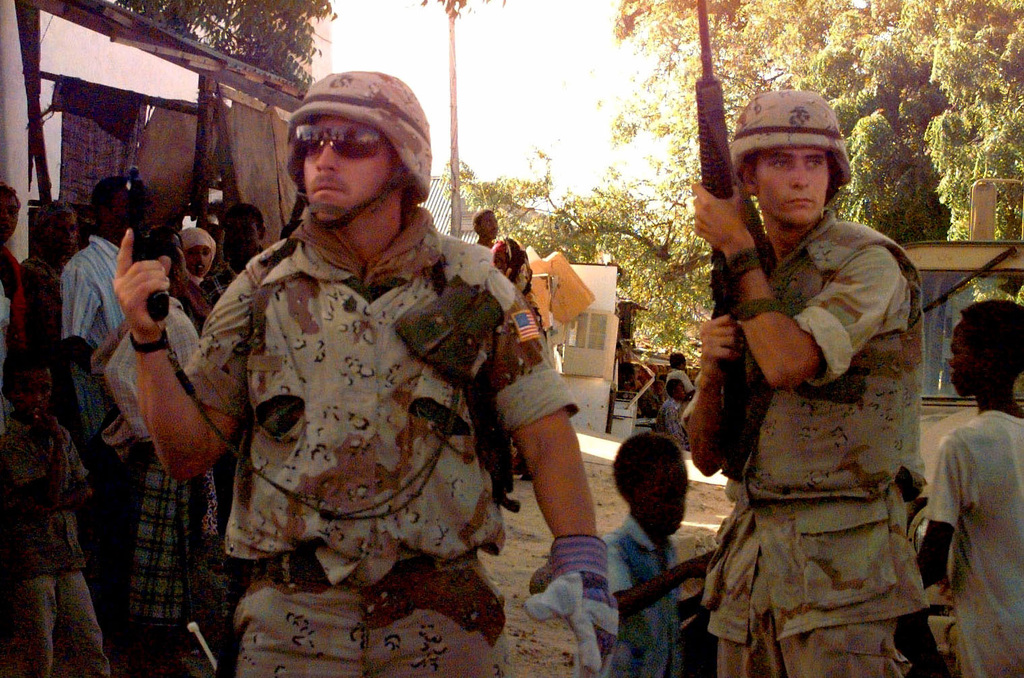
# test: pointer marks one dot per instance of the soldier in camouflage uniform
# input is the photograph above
(813, 567)
(343, 359)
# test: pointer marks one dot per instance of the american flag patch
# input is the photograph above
(526, 326)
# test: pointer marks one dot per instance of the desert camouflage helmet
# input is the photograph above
(790, 118)
(376, 99)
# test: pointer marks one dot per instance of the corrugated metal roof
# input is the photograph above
(128, 28)
(439, 204)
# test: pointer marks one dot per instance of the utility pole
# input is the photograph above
(456, 228)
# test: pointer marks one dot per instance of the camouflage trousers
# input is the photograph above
(440, 620)
(864, 650)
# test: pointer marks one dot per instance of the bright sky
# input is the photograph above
(542, 74)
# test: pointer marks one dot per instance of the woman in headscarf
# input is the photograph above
(199, 248)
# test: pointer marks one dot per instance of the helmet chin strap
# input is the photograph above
(333, 217)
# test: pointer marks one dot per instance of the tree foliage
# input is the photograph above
(929, 93)
(979, 64)
(626, 221)
(273, 35)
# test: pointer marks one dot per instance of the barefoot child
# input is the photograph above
(976, 507)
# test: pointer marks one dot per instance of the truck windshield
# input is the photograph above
(939, 322)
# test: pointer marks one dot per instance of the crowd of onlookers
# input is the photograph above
(115, 592)
(147, 553)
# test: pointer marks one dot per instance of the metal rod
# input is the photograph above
(194, 629)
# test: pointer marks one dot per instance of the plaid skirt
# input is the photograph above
(159, 591)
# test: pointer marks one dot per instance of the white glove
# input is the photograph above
(595, 622)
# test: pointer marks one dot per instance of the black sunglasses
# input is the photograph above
(348, 142)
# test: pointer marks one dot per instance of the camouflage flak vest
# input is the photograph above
(848, 437)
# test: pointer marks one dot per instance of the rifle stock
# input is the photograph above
(719, 178)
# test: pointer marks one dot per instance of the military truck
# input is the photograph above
(955, 274)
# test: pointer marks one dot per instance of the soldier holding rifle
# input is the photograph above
(813, 569)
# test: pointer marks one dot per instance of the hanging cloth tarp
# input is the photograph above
(114, 110)
(99, 134)
(259, 153)
(166, 155)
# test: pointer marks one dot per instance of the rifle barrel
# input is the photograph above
(707, 67)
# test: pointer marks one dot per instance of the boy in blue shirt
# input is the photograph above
(651, 476)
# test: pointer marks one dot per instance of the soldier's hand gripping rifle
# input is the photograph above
(719, 178)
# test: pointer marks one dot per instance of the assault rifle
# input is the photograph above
(719, 178)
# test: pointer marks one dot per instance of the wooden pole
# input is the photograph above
(201, 166)
(28, 32)
(456, 228)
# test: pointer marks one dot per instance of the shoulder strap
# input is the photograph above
(438, 279)
(261, 296)
(270, 260)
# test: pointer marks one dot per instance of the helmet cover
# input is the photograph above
(376, 99)
(789, 118)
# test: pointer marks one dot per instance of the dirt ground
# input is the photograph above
(545, 650)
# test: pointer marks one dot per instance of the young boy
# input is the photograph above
(977, 501)
(42, 483)
(651, 476)
(669, 420)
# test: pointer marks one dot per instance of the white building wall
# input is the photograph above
(592, 393)
(13, 121)
(69, 49)
(323, 62)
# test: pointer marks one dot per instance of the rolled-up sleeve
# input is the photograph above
(868, 296)
(522, 373)
(533, 397)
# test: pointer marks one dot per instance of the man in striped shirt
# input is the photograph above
(91, 311)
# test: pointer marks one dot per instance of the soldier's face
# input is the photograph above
(791, 185)
(346, 163)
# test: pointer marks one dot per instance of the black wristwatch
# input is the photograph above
(151, 346)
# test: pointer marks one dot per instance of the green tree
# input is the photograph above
(273, 35)
(878, 78)
(627, 221)
(979, 65)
